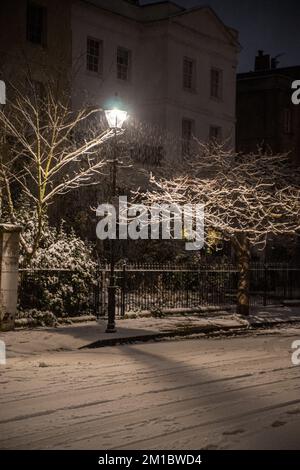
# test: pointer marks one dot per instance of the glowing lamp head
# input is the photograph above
(115, 113)
(115, 118)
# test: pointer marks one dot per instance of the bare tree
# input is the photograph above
(246, 198)
(49, 150)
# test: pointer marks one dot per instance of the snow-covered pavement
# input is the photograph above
(220, 393)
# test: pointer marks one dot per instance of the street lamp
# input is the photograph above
(116, 116)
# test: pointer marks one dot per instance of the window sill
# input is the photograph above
(217, 100)
(192, 91)
(125, 82)
(38, 45)
(94, 74)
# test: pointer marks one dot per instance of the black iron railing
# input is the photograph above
(153, 287)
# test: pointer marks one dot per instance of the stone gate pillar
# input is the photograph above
(9, 265)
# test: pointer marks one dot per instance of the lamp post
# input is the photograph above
(115, 116)
(2, 138)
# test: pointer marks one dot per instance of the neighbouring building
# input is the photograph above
(175, 68)
(267, 119)
(266, 116)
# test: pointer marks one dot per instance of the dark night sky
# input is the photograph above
(271, 25)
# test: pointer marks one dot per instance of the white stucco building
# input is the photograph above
(175, 68)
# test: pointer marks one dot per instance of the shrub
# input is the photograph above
(62, 274)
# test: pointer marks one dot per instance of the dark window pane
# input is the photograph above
(123, 64)
(287, 121)
(36, 23)
(94, 55)
(188, 126)
(188, 74)
(215, 134)
(216, 83)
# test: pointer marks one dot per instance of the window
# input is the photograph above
(94, 55)
(188, 129)
(123, 64)
(216, 85)
(36, 23)
(287, 123)
(38, 91)
(189, 72)
(215, 134)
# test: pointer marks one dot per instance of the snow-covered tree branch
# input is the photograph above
(246, 198)
(48, 150)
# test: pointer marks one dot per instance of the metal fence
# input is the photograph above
(153, 287)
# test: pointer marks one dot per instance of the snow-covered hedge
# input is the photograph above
(61, 276)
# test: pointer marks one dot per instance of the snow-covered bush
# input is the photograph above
(36, 317)
(61, 276)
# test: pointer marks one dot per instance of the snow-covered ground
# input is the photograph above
(224, 393)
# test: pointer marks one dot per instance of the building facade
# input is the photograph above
(266, 116)
(36, 42)
(174, 68)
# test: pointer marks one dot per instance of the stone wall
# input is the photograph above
(9, 265)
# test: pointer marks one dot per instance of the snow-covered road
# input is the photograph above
(223, 393)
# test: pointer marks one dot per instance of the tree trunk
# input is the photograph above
(243, 259)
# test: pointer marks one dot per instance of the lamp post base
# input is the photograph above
(111, 324)
(110, 329)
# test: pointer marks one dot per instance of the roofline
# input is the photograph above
(268, 72)
(212, 11)
(183, 11)
(99, 7)
(262, 77)
(147, 5)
